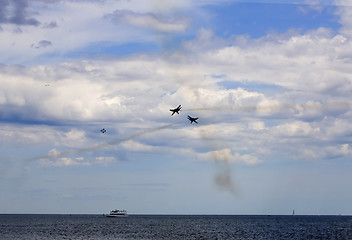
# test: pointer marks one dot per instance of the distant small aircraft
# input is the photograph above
(192, 119)
(103, 130)
(176, 110)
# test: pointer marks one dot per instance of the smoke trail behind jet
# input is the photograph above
(102, 145)
(278, 107)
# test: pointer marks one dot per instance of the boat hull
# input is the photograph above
(117, 213)
(114, 216)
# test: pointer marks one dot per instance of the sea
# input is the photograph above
(27, 226)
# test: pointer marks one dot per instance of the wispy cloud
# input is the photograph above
(149, 21)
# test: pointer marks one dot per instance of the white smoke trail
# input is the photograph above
(100, 146)
(278, 107)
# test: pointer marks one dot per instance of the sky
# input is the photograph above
(270, 82)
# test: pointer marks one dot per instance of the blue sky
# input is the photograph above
(269, 80)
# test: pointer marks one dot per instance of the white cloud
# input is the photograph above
(104, 160)
(70, 26)
(42, 136)
(54, 159)
(241, 124)
(258, 125)
(227, 156)
(313, 61)
(315, 5)
(296, 129)
(149, 21)
(339, 128)
(345, 14)
(136, 93)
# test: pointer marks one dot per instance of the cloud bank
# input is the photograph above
(281, 96)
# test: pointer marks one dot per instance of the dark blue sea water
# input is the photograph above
(174, 227)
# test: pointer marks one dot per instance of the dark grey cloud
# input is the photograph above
(15, 12)
(3, 11)
(42, 44)
(52, 24)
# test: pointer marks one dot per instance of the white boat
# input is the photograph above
(117, 213)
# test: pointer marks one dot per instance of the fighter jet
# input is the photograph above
(103, 130)
(192, 119)
(176, 110)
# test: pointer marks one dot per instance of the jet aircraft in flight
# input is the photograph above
(176, 110)
(192, 119)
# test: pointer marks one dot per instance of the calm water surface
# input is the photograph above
(174, 227)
